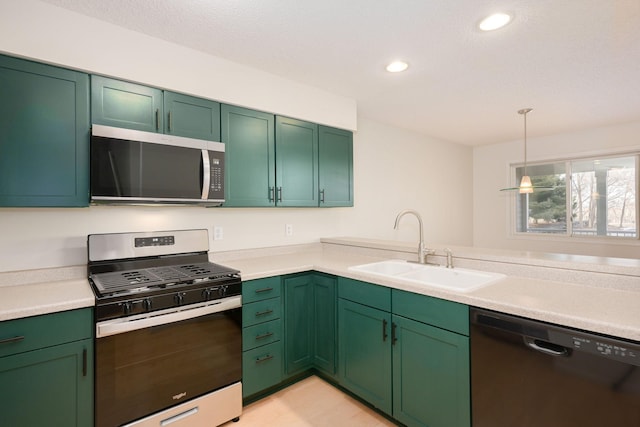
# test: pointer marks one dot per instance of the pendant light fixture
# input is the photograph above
(525, 186)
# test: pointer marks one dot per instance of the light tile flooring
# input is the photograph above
(311, 402)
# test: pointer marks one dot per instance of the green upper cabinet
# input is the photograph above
(44, 135)
(296, 162)
(129, 105)
(126, 105)
(249, 138)
(335, 167)
(280, 161)
(191, 117)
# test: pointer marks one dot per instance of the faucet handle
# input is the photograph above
(449, 253)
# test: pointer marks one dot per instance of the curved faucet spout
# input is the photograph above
(421, 250)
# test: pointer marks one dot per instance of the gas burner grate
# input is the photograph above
(118, 281)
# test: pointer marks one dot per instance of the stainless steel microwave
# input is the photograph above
(135, 167)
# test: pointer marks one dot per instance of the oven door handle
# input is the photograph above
(128, 324)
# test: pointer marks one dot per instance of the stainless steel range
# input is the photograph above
(168, 331)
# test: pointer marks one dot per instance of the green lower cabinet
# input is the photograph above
(261, 368)
(430, 375)
(415, 371)
(298, 300)
(365, 353)
(325, 324)
(262, 352)
(310, 323)
(51, 386)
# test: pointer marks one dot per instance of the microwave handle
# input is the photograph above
(206, 174)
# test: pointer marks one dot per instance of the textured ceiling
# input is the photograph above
(575, 62)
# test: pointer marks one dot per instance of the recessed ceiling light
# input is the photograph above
(495, 21)
(397, 66)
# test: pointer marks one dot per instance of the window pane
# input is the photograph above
(544, 210)
(604, 197)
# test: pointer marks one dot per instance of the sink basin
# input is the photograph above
(457, 279)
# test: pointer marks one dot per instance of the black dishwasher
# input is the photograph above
(528, 373)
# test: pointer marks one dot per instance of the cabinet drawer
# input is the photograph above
(261, 311)
(261, 368)
(260, 289)
(30, 333)
(261, 334)
(444, 314)
(365, 293)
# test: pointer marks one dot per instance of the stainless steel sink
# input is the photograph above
(456, 279)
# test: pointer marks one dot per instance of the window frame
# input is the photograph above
(568, 234)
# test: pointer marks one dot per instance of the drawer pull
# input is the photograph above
(263, 336)
(259, 291)
(264, 358)
(263, 313)
(10, 340)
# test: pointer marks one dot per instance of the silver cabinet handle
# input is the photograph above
(279, 194)
(157, 119)
(170, 121)
(322, 196)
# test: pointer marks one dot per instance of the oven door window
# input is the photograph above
(144, 371)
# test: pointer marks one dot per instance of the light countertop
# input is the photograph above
(603, 309)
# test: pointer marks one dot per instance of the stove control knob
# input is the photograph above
(146, 304)
(206, 294)
(179, 298)
(127, 307)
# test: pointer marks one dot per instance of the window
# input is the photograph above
(583, 197)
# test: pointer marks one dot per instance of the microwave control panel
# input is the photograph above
(216, 175)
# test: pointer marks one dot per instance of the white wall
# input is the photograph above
(492, 208)
(394, 169)
(47, 33)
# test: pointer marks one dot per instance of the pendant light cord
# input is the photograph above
(524, 112)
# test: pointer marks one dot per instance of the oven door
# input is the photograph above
(147, 364)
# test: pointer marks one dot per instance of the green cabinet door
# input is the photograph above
(44, 135)
(296, 162)
(191, 117)
(335, 167)
(365, 352)
(126, 105)
(430, 375)
(298, 321)
(249, 138)
(48, 387)
(325, 326)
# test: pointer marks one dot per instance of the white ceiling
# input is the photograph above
(575, 62)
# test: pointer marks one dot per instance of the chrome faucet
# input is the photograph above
(423, 253)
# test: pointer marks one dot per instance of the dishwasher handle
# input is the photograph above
(546, 347)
